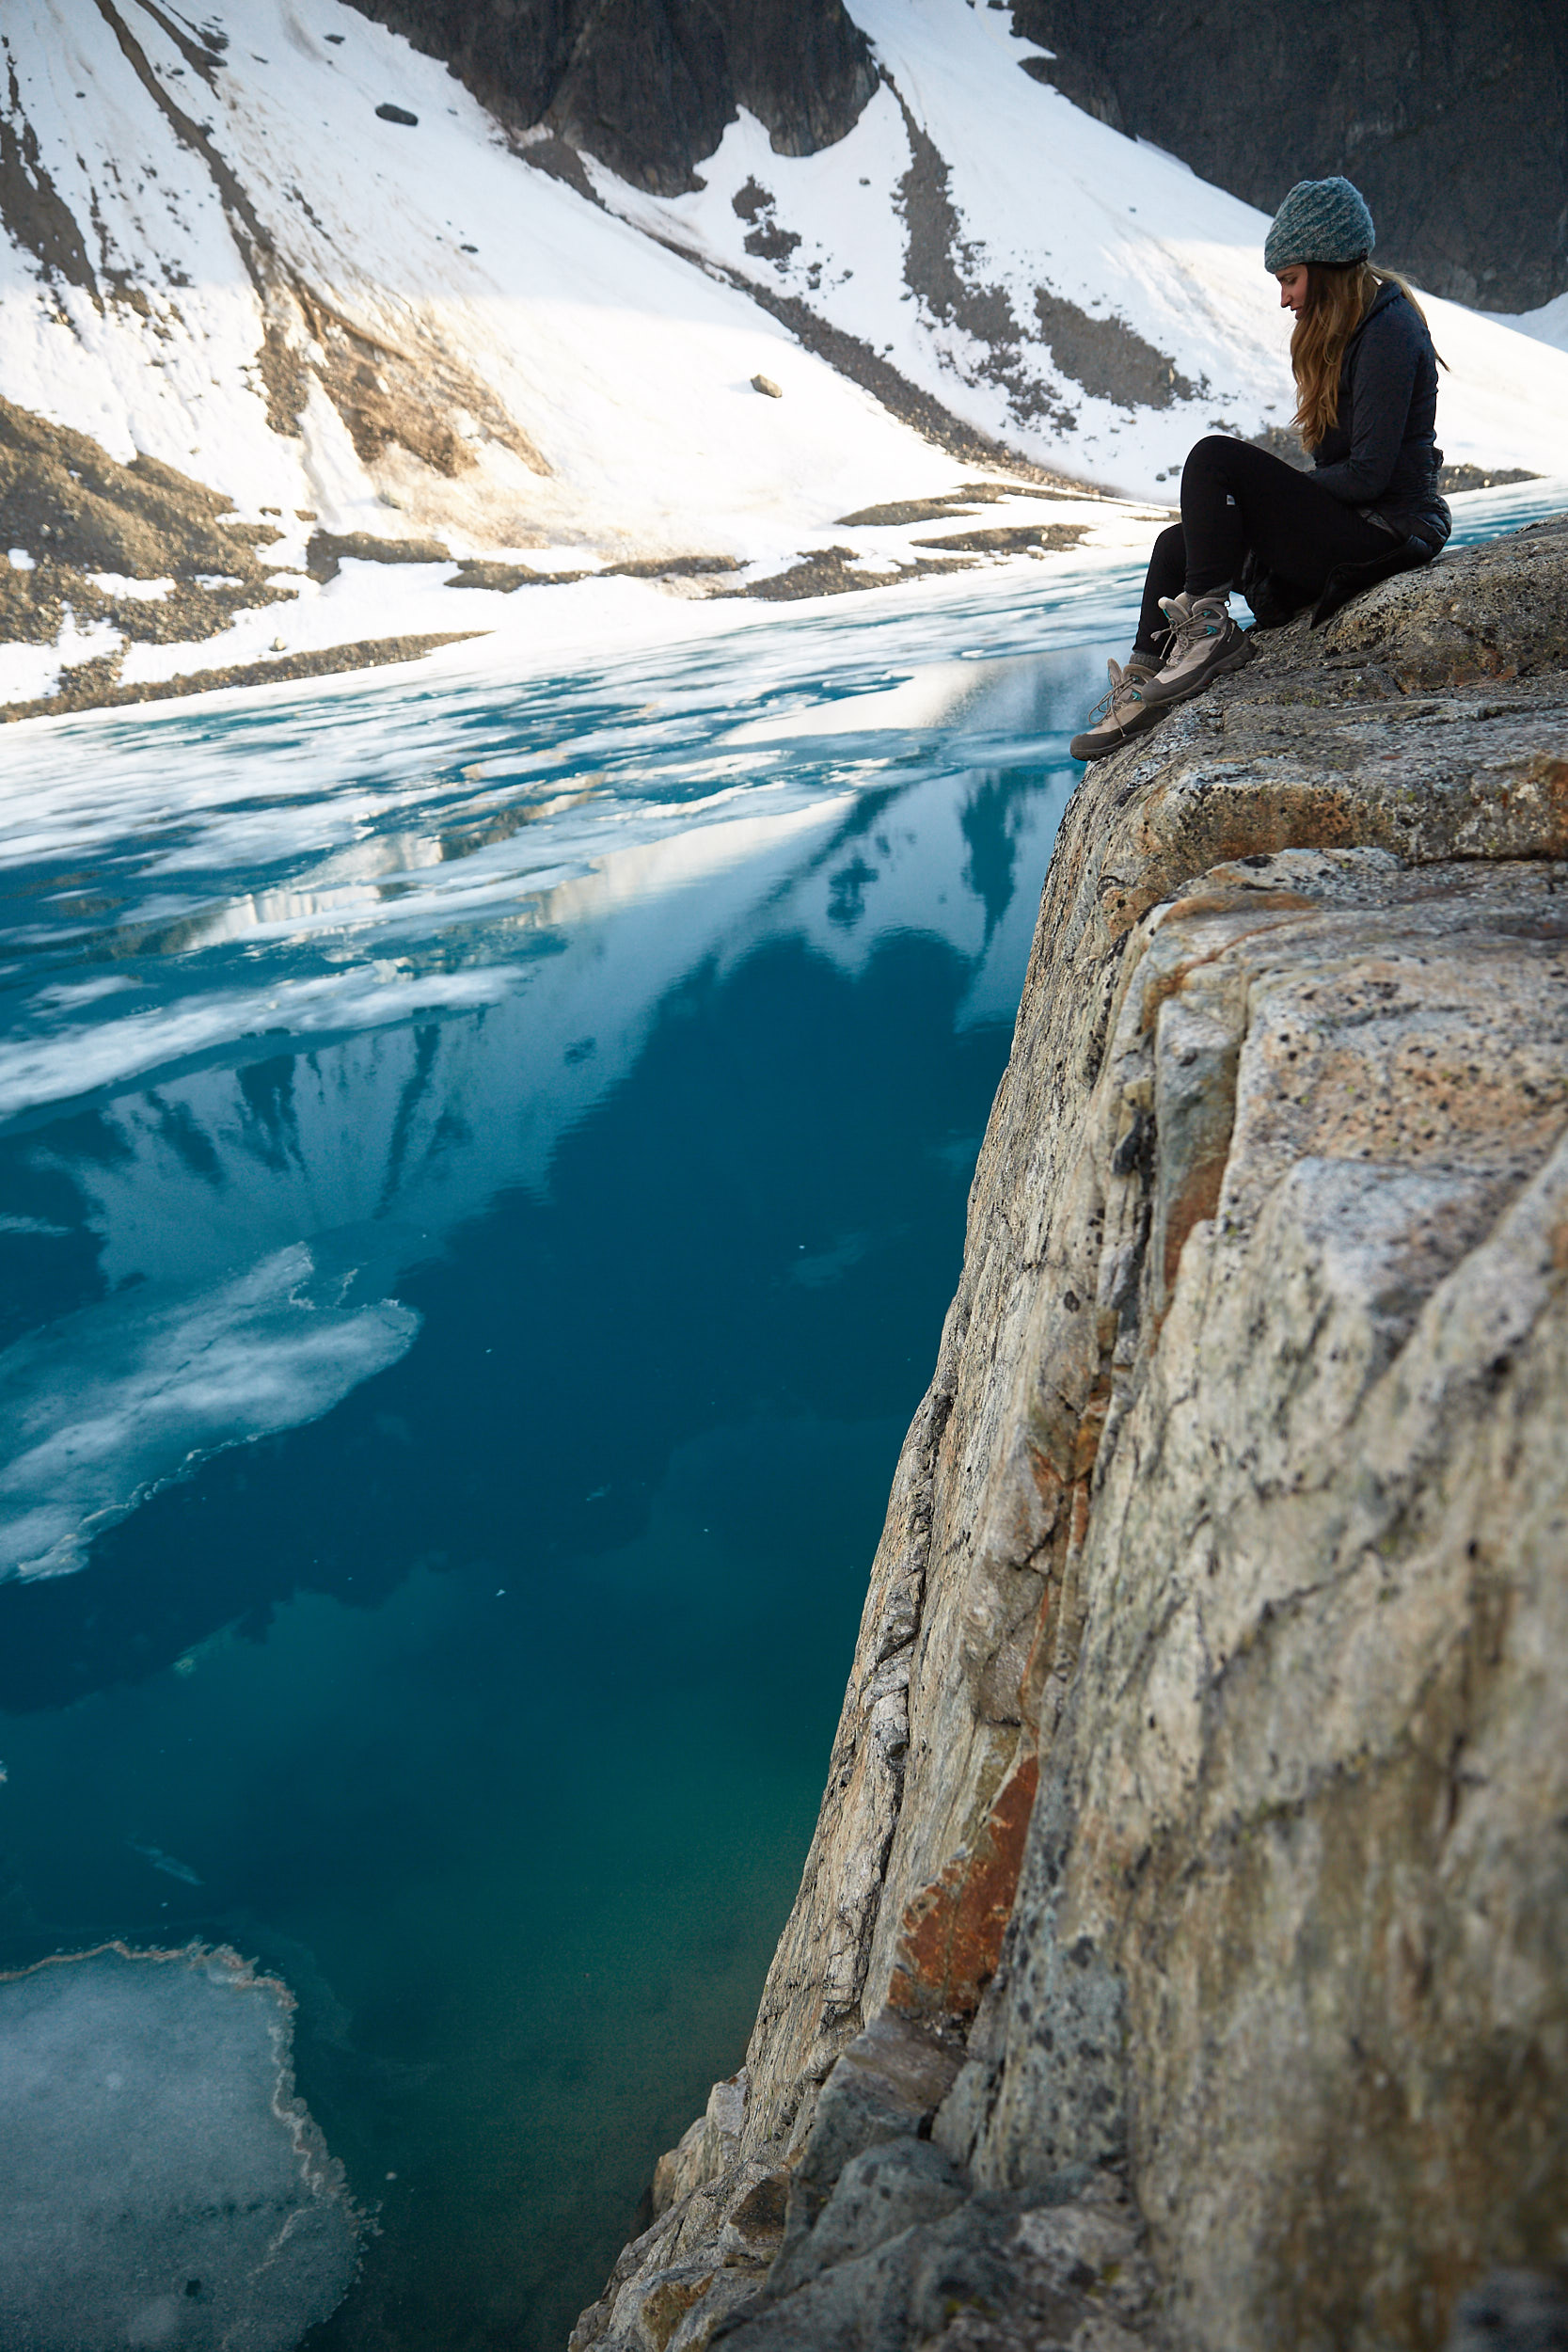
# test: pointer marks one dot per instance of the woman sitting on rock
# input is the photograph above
(1366, 403)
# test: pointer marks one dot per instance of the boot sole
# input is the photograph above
(1088, 748)
(1167, 697)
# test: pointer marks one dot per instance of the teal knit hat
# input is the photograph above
(1321, 220)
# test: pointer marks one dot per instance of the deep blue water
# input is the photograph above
(483, 1170)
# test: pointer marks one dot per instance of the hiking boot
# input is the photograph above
(1204, 642)
(1121, 711)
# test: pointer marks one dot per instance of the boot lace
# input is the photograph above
(1189, 626)
(1120, 691)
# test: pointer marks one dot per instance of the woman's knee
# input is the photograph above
(1215, 454)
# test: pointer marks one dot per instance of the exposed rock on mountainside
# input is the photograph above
(1178, 1959)
(649, 87)
(1453, 120)
(143, 555)
(85, 525)
(96, 684)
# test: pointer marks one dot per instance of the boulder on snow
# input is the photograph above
(329, 549)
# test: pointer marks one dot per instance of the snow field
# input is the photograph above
(601, 384)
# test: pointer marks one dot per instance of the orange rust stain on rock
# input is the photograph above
(952, 1931)
(1544, 769)
(1091, 1428)
(1198, 1198)
(667, 2304)
(1242, 901)
(1048, 1484)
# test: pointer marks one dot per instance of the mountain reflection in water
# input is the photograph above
(340, 1067)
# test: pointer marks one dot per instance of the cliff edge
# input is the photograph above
(1178, 1958)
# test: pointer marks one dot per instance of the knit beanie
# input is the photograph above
(1321, 220)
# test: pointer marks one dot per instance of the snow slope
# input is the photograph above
(968, 190)
(218, 252)
(563, 380)
(1549, 325)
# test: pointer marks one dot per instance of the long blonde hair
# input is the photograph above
(1337, 299)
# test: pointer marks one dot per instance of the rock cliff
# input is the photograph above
(1178, 1961)
(1454, 119)
(647, 86)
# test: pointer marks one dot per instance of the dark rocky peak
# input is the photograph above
(648, 85)
(1451, 118)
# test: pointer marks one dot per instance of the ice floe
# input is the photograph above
(161, 2187)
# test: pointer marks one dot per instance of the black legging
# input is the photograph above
(1235, 498)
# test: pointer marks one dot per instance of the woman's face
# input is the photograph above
(1292, 288)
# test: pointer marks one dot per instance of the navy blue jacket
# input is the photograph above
(1382, 457)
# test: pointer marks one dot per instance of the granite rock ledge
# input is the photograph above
(1179, 1957)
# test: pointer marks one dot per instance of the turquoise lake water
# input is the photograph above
(484, 1169)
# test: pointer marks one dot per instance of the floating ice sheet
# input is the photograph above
(160, 2186)
(97, 1427)
(449, 916)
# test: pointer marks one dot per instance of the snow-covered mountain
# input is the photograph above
(276, 250)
